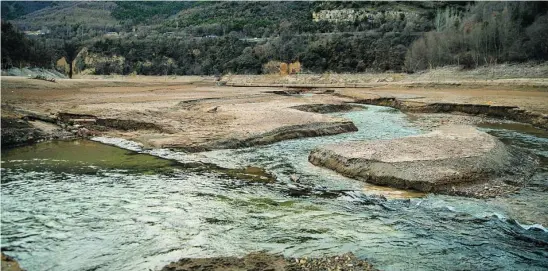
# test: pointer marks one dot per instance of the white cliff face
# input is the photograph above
(352, 15)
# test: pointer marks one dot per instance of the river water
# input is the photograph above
(83, 205)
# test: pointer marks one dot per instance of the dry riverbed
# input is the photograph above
(198, 114)
(195, 114)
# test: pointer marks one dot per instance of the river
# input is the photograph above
(84, 205)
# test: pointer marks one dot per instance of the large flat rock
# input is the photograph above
(454, 160)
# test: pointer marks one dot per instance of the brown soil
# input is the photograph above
(9, 264)
(261, 261)
(458, 160)
(196, 114)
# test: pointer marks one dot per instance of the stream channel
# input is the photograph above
(85, 205)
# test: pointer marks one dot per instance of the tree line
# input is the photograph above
(468, 35)
(20, 51)
(486, 33)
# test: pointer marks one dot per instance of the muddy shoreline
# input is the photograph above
(261, 261)
(196, 115)
(513, 113)
(9, 263)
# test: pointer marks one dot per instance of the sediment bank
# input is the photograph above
(456, 160)
(261, 261)
(196, 114)
(276, 135)
(9, 263)
(513, 113)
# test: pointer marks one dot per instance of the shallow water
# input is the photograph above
(83, 205)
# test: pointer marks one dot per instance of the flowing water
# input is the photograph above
(83, 205)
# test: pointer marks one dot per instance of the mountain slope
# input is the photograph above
(245, 37)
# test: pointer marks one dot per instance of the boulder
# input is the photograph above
(457, 160)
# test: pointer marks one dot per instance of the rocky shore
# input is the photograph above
(261, 261)
(457, 160)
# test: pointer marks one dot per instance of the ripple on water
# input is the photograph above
(123, 215)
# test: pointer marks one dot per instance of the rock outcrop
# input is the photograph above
(453, 160)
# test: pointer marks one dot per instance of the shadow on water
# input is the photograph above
(86, 206)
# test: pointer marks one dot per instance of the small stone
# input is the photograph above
(213, 110)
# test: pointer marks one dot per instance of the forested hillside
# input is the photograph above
(158, 38)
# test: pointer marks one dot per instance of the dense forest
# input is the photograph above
(20, 51)
(159, 38)
(487, 33)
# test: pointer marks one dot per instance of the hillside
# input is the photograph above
(78, 17)
(16, 9)
(247, 37)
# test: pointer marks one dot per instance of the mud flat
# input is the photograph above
(513, 113)
(457, 160)
(507, 96)
(189, 115)
(195, 114)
